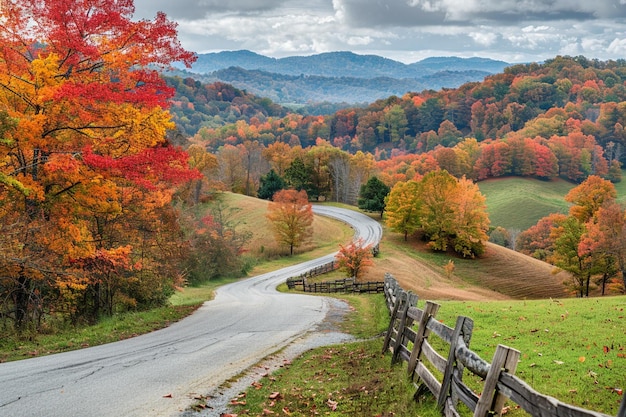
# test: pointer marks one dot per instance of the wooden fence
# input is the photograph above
(407, 339)
(346, 285)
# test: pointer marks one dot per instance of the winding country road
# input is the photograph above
(155, 374)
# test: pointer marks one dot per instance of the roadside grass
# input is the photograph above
(110, 329)
(351, 379)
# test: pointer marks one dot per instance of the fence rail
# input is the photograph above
(346, 285)
(408, 340)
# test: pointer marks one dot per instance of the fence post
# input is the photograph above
(411, 299)
(392, 321)
(463, 328)
(505, 359)
(430, 310)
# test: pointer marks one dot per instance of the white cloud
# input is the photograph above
(408, 30)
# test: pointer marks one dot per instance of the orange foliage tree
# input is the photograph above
(85, 170)
(354, 258)
(291, 218)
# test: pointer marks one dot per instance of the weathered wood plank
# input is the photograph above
(428, 379)
(438, 361)
(444, 332)
(463, 392)
(462, 323)
(422, 333)
(471, 360)
(504, 358)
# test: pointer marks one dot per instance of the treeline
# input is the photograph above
(563, 118)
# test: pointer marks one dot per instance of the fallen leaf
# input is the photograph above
(167, 396)
(606, 349)
(275, 396)
(266, 411)
(581, 359)
(332, 404)
(559, 362)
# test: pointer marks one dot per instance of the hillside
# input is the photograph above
(517, 203)
(499, 274)
(336, 77)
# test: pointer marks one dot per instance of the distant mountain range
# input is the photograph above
(336, 76)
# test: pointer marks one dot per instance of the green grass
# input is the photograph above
(351, 379)
(571, 349)
(518, 203)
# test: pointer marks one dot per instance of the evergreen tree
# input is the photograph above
(372, 195)
(270, 184)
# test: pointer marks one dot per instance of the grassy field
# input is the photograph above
(517, 203)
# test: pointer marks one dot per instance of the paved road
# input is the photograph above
(157, 374)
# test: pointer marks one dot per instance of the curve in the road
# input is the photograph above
(158, 373)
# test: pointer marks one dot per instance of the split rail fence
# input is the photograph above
(409, 336)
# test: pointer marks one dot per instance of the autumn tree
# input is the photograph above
(605, 238)
(567, 256)
(589, 196)
(291, 218)
(402, 206)
(84, 163)
(538, 241)
(217, 244)
(453, 212)
(354, 258)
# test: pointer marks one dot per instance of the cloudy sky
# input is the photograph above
(404, 30)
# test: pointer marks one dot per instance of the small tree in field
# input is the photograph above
(354, 258)
(291, 218)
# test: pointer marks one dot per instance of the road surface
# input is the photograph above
(158, 373)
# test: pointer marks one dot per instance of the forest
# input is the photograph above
(560, 119)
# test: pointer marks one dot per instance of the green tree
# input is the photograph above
(298, 175)
(291, 218)
(270, 184)
(372, 195)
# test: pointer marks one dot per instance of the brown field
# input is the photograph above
(499, 274)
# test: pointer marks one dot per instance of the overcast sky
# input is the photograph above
(404, 30)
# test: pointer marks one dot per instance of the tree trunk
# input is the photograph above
(21, 301)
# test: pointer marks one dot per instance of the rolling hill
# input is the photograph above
(336, 77)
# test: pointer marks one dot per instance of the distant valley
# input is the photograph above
(336, 77)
